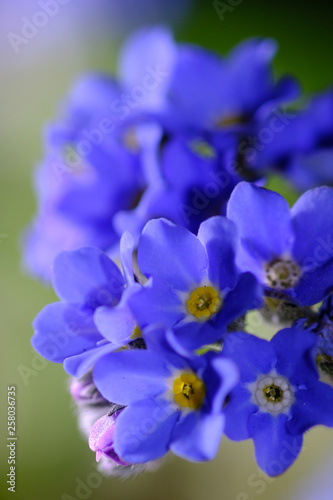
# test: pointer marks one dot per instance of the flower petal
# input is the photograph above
(63, 330)
(87, 276)
(197, 436)
(293, 348)
(78, 365)
(143, 430)
(263, 220)
(157, 302)
(218, 236)
(130, 376)
(247, 295)
(117, 323)
(173, 253)
(313, 406)
(238, 409)
(314, 242)
(275, 448)
(253, 356)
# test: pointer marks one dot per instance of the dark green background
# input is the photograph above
(50, 452)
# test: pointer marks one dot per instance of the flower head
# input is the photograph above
(173, 402)
(279, 396)
(194, 285)
(289, 255)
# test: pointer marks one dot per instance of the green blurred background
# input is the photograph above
(51, 454)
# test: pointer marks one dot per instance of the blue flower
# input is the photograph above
(279, 396)
(194, 285)
(172, 402)
(93, 317)
(321, 323)
(111, 162)
(95, 167)
(297, 144)
(289, 251)
(210, 92)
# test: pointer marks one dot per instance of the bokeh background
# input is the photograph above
(51, 455)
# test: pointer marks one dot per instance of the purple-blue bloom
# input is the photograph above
(290, 251)
(93, 317)
(111, 162)
(173, 402)
(297, 144)
(96, 168)
(279, 396)
(194, 285)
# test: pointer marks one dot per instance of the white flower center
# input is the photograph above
(273, 393)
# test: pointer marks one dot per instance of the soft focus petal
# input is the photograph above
(313, 406)
(275, 448)
(252, 355)
(172, 253)
(144, 429)
(238, 409)
(88, 276)
(157, 302)
(129, 376)
(63, 330)
(247, 295)
(313, 225)
(294, 352)
(197, 436)
(117, 323)
(80, 364)
(263, 220)
(218, 235)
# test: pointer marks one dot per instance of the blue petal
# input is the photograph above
(247, 295)
(314, 242)
(252, 355)
(163, 342)
(263, 220)
(220, 377)
(238, 409)
(91, 95)
(147, 53)
(310, 170)
(197, 436)
(218, 235)
(172, 253)
(117, 323)
(315, 284)
(78, 365)
(294, 352)
(193, 335)
(251, 79)
(143, 430)
(63, 330)
(127, 245)
(195, 96)
(130, 376)
(87, 276)
(157, 302)
(275, 448)
(313, 406)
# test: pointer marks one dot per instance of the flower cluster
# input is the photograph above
(164, 239)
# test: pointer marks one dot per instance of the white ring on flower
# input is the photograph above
(266, 402)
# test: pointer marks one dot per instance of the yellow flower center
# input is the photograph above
(203, 148)
(189, 391)
(230, 120)
(273, 393)
(204, 302)
(137, 333)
